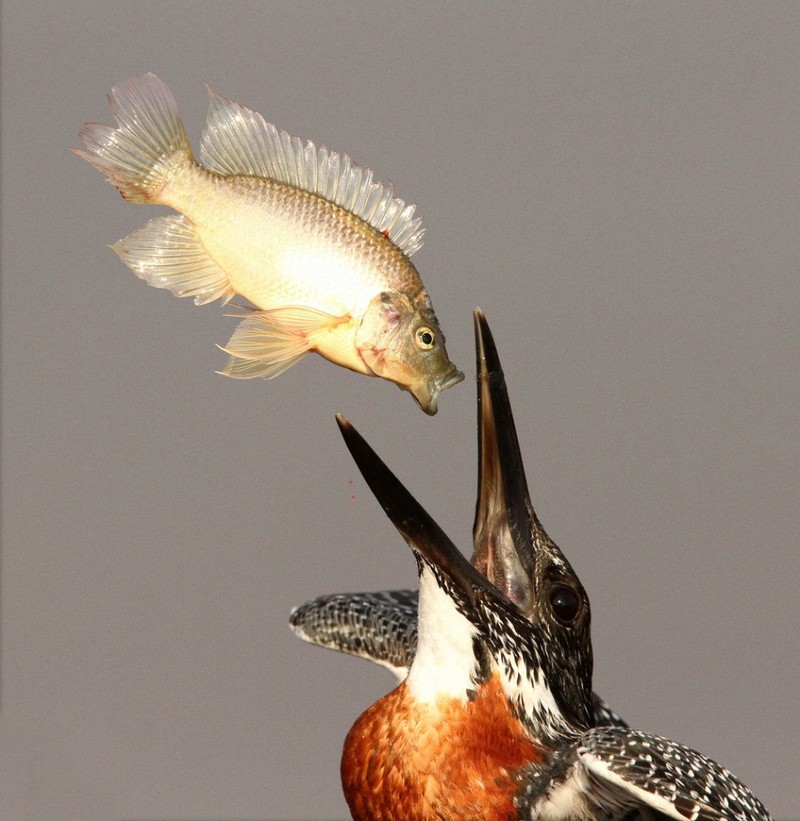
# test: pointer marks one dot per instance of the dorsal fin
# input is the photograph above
(237, 140)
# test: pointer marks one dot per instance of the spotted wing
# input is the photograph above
(382, 627)
(626, 774)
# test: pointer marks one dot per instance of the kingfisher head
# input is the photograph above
(529, 627)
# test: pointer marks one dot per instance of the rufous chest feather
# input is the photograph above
(449, 759)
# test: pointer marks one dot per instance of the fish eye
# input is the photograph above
(425, 338)
(565, 603)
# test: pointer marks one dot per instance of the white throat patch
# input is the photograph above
(445, 660)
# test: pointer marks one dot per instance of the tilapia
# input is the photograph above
(319, 248)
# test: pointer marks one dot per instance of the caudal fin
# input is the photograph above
(148, 131)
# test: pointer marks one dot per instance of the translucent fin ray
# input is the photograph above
(148, 130)
(237, 140)
(268, 343)
(167, 253)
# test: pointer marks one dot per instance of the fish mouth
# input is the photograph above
(452, 377)
(427, 395)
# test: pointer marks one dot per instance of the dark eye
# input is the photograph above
(565, 603)
(425, 338)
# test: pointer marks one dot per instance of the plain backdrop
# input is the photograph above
(615, 184)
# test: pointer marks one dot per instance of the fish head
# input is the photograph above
(401, 341)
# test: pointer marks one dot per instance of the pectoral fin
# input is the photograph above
(269, 342)
(167, 253)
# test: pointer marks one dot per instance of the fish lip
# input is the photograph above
(441, 383)
(430, 406)
(452, 377)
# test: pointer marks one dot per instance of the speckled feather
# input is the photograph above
(628, 774)
(380, 627)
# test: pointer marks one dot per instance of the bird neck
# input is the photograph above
(453, 758)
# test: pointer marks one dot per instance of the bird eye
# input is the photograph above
(425, 338)
(565, 603)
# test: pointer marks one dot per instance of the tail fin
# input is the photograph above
(148, 131)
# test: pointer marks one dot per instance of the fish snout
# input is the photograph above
(427, 392)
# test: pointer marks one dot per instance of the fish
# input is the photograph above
(317, 246)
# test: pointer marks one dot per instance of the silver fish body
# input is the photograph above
(320, 249)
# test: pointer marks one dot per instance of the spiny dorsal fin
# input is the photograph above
(237, 140)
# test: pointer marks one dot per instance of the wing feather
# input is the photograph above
(626, 769)
(380, 627)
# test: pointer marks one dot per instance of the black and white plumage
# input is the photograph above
(536, 643)
(382, 627)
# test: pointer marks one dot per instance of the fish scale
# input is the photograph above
(251, 225)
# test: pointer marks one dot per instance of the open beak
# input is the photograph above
(506, 528)
(421, 532)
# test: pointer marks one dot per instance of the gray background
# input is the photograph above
(615, 184)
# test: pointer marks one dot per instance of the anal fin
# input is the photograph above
(268, 343)
(167, 253)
